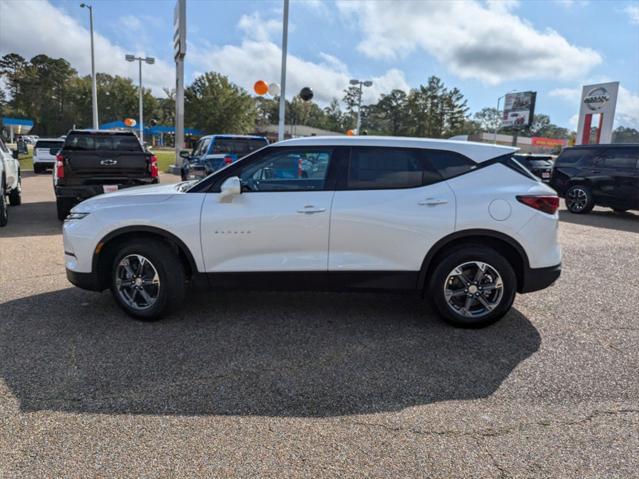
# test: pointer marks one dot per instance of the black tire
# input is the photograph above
(464, 255)
(15, 197)
(63, 206)
(579, 199)
(37, 169)
(170, 270)
(4, 213)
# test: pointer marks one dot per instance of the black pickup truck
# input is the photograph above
(93, 162)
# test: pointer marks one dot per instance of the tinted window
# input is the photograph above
(574, 156)
(385, 168)
(84, 142)
(621, 158)
(238, 146)
(49, 144)
(203, 146)
(449, 163)
(287, 170)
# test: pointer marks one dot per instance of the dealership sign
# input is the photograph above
(597, 101)
(519, 109)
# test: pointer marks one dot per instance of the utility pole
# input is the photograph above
(94, 85)
(179, 52)
(281, 125)
(367, 83)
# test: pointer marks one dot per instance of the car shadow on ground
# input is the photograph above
(604, 218)
(32, 219)
(269, 354)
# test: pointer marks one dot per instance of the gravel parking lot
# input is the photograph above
(318, 385)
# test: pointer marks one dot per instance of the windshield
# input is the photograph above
(238, 146)
(49, 144)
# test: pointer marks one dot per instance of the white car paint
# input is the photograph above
(11, 168)
(374, 230)
(43, 156)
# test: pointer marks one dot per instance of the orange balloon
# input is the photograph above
(260, 87)
(350, 133)
(129, 122)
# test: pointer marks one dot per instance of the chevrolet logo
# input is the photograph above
(108, 162)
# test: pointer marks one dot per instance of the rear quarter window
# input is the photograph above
(449, 163)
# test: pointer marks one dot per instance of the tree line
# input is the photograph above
(53, 94)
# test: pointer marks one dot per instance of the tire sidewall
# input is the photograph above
(170, 271)
(4, 211)
(466, 254)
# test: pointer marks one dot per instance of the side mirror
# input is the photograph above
(230, 188)
(15, 153)
(185, 154)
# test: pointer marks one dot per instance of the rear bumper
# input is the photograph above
(87, 281)
(535, 279)
(82, 192)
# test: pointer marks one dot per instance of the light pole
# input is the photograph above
(281, 124)
(94, 85)
(359, 100)
(150, 61)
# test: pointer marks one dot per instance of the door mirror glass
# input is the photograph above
(230, 188)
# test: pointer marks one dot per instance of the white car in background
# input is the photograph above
(44, 153)
(462, 223)
(10, 182)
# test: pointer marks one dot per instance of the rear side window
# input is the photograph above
(386, 168)
(49, 144)
(84, 142)
(449, 163)
(621, 158)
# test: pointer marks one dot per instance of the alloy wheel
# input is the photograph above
(473, 289)
(137, 282)
(576, 199)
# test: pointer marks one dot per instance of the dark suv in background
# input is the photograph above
(603, 175)
(538, 164)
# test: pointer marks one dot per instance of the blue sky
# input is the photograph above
(485, 48)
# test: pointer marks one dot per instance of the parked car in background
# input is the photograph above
(93, 162)
(538, 164)
(462, 223)
(602, 175)
(10, 181)
(213, 152)
(45, 152)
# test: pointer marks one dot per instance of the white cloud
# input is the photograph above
(131, 22)
(35, 34)
(256, 28)
(633, 13)
(627, 111)
(484, 41)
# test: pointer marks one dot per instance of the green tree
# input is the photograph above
(624, 134)
(489, 119)
(215, 105)
(391, 111)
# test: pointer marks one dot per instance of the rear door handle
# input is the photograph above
(432, 202)
(310, 209)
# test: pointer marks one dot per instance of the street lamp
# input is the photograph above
(359, 100)
(93, 80)
(150, 61)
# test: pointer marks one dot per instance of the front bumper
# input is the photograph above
(88, 281)
(535, 279)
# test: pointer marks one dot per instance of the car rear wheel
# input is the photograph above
(579, 199)
(4, 214)
(473, 286)
(147, 279)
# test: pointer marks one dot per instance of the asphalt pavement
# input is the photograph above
(318, 384)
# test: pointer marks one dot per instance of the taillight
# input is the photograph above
(154, 166)
(59, 166)
(547, 204)
(228, 160)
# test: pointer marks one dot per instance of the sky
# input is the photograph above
(483, 47)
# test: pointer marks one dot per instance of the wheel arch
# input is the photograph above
(105, 250)
(508, 246)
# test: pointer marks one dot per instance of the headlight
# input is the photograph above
(75, 216)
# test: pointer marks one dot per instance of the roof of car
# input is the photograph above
(476, 151)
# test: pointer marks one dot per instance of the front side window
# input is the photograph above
(287, 170)
(372, 168)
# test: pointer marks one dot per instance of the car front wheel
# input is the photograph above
(473, 286)
(147, 279)
(579, 199)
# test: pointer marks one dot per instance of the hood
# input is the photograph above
(137, 194)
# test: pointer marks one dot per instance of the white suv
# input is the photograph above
(45, 152)
(10, 182)
(463, 223)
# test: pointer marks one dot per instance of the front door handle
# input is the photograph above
(432, 202)
(310, 209)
